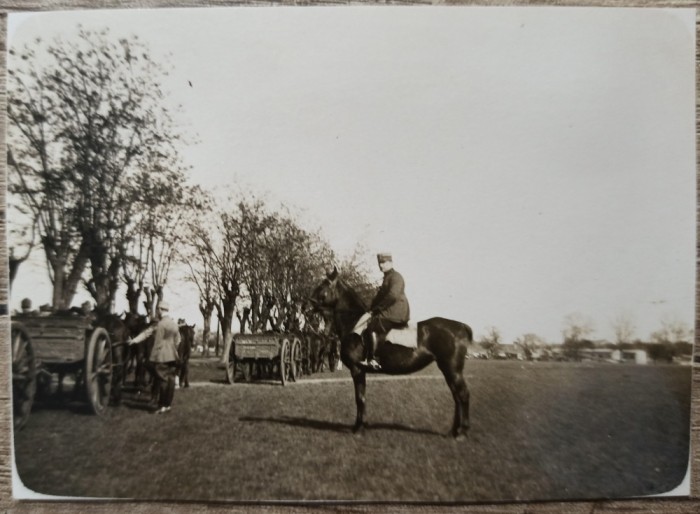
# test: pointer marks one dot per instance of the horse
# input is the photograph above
(322, 351)
(137, 354)
(184, 351)
(438, 339)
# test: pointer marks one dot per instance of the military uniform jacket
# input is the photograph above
(166, 340)
(391, 302)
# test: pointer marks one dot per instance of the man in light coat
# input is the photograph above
(164, 356)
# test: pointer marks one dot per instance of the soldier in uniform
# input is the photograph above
(164, 355)
(389, 309)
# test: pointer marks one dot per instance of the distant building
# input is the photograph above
(611, 355)
(633, 356)
(511, 351)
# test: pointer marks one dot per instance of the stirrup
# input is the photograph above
(371, 364)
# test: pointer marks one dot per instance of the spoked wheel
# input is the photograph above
(286, 361)
(297, 360)
(23, 375)
(98, 370)
(231, 366)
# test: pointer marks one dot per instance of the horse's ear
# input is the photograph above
(332, 275)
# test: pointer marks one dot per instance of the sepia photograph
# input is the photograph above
(351, 254)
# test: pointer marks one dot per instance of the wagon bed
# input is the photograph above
(57, 339)
(71, 343)
(272, 354)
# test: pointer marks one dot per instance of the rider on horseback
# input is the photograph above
(389, 310)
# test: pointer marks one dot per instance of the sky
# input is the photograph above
(521, 164)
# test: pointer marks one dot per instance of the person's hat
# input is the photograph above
(164, 306)
(384, 257)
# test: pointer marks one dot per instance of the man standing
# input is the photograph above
(164, 355)
(389, 309)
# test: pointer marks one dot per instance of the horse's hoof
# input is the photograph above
(460, 435)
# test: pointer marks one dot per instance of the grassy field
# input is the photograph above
(539, 431)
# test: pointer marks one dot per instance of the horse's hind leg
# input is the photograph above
(460, 394)
(358, 378)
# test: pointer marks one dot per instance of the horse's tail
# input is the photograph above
(466, 333)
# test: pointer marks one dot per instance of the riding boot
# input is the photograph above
(368, 340)
(371, 343)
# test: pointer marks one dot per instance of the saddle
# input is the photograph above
(405, 336)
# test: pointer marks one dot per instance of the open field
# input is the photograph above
(539, 431)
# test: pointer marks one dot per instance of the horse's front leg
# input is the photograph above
(358, 378)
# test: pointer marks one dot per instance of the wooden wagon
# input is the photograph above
(271, 355)
(65, 344)
(23, 374)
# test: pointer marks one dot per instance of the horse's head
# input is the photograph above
(187, 332)
(325, 297)
(135, 323)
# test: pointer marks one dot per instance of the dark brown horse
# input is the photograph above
(439, 339)
(137, 355)
(184, 350)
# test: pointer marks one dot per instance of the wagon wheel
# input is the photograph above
(297, 361)
(23, 375)
(231, 366)
(98, 370)
(286, 361)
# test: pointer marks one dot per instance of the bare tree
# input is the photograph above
(576, 330)
(577, 327)
(86, 119)
(530, 343)
(491, 342)
(623, 326)
(672, 331)
(166, 206)
(199, 257)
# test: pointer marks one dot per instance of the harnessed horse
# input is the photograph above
(438, 339)
(184, 350)
(137, 355)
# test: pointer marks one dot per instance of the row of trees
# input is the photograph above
(258, 264)
(95, 176)
(673, 339)
(97, 181)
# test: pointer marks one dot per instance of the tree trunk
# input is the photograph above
(133, 294)
(226, 330)
(206, 326)
(65, 287)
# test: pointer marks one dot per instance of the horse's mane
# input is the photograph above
(361, 297)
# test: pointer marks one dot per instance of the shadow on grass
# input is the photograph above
(331, 426)
(133, 404)
(56, 403)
